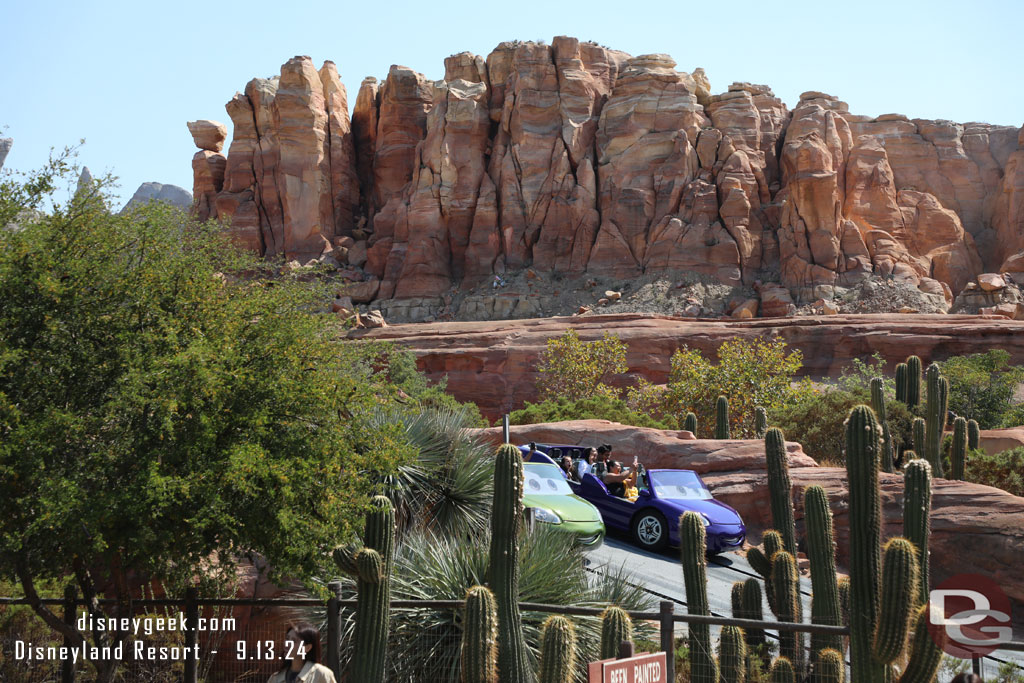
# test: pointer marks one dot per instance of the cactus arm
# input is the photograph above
(899, 595)
(557, 650)
(917, 506)
(479, 658)
(616, 627)
(732, 655)
(925, 654)
(821, 551)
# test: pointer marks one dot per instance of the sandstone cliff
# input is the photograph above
(579, 160)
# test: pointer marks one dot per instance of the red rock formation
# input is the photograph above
(494, 364)
(573, 158)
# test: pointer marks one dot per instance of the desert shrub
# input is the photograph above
(574, 369)
(750, 373)
(1003, 470)
(856, 378)
(593, 408)
(816, 421)
(981, 387)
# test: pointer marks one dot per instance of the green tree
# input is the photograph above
(158, 405)
(573, 369)
(981, 386)
(750, 373)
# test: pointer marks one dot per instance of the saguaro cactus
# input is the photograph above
(878, 405)
(822, 553)
(762, 562)
(760, 422)
(863, 437)
(913, 381)
(506, 516)
(736, 599)
(934, 420)
(901, 382)
(616, 628)
(690, 423)
(918, 429)
(480, 637)
(751, 603)
(829, 667)
(722, 418)
(692, 550)
(787, 598)
(732, 655)
(925, 653)
(371, 565)
(779, 493)
(782, 671)
(899, 593)
(958, 454)
(557, 650)
(917, 508)
(973, 435)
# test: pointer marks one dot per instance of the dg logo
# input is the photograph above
(969, 616)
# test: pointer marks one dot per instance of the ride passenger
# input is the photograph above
(600, 467)
(565, 464)
(586, 464)
(617, 481)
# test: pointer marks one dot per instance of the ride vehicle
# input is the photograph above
(548, 495)
(664, 495)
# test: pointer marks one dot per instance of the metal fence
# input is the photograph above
(424, 648)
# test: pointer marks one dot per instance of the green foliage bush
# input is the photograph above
(593, 408)
(574, 369)
(750, 373)
(1003, 470)
(981, 387)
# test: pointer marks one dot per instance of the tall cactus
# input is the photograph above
(722, 418)
(506, 517)
(782, 671)
(878, 405)
(751, 602)
(371, 566)
(761, 561)
(480, 637)
(736, 599)
(779, 493)
(692, 550)
(901, 382)
(958, 454)
(918, 430)
(760, 422)
(616, 628)
(863, 437)
(821, 551)
(934, 419)
(732, 655)
(690, 423)
(925, 653)
(973, 435)
(829, 667)
(913, 382)
(917, 508)
(557, 650)
(785, 580)
(899, 592)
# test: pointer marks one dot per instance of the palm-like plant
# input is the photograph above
(448, 487)
(425, 643)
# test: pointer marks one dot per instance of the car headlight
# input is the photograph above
(706, 520)
(546, 516)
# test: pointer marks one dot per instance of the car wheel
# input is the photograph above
(650, 530)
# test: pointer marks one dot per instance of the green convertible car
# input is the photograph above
(547, 492)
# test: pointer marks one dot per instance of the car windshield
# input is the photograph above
(679, 485)
(546, 479)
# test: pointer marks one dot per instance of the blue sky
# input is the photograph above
(127, 76)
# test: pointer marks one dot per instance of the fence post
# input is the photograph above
(191, 622)
(976, 665)
(334, 629)
(67, 667)
(505, 429)
(626, 649)
(668, 640)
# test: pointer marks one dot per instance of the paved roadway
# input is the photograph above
(661, 575)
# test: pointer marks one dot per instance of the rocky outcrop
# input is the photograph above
(574, 159)
(5, 148)
(495, 364)
(968, 520)
(158, 192)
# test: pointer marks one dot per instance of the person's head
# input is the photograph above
(591, 455)
(968, 678)
(556, 454)
(307, 634)
(566, 463)
(602, 453)
(614, 466)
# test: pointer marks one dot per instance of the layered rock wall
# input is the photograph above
(573, 158)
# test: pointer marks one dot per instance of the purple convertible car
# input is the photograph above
(653, 519)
